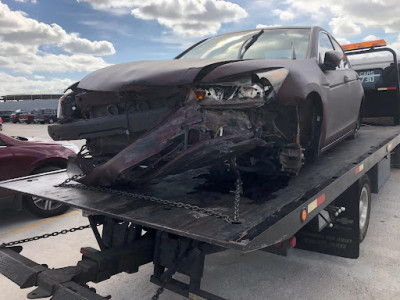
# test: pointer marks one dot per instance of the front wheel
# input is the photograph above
(364, 205)
(42, 207)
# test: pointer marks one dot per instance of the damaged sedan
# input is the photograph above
(262, 101)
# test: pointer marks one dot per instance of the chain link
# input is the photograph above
(187, 206)
(45, 236)
(238, 191)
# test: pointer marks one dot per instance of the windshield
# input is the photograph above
(272, 44)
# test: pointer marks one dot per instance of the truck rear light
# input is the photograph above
(292, 242)
(390, 88)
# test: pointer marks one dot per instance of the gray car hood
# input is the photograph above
(144, 73)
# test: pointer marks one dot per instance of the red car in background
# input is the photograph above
(27, 118)
(21, 157)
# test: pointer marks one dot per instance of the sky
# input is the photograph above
(46, 45)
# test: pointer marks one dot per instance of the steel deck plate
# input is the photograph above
(271, 218)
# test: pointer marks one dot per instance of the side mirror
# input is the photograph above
(332, 60)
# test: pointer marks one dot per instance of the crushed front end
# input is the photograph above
(141, 131)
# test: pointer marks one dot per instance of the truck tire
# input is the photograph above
(364, 205)
(42, 207)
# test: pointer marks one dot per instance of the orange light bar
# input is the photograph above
(364, 45)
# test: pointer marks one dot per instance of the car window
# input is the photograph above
(271, 44)
(324, 45)
(344, 64)
(2, 143)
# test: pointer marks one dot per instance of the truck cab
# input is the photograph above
(378, 70)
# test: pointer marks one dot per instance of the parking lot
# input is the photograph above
(230, 274)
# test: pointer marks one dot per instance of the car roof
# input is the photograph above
(312, 28)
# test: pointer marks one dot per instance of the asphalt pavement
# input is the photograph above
(230, 274)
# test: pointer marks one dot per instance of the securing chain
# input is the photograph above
(195, 208)
(238, 191)
(45, 236)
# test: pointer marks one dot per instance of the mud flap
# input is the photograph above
(343, 239)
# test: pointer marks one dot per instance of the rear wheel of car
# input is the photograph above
(358, 125)
(42, 207)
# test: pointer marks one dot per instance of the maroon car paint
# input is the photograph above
(21, 158)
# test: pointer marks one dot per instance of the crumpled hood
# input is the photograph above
(146, 73)
(123, 77)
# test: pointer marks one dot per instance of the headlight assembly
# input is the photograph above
(249, 91)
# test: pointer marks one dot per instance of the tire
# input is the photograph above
(364, 205)
(358, 125)
(41, 207)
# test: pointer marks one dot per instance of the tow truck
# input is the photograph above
(179, 220)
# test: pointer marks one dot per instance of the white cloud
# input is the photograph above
(17, 28)
(342, 41)
(24, 1)
(184, 17)
(284, 15)
(28, 46)
(51, 63)
(370, 37)
(396, 47)
(367, 13)
(265, 26)
(344, 26)
(21, 85)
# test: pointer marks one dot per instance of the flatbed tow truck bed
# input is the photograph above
(270, 219)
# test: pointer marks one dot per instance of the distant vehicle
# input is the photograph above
(28, 118)
(21, 157)
(46, 115)
(1, 124)
(5, 115)
(14, 117)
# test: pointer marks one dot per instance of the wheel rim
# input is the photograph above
(45, 204)
(363, 207)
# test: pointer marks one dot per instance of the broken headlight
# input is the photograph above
(249, 91)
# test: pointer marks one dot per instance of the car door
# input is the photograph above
(338, 117)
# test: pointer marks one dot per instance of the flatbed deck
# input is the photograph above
(270, 218)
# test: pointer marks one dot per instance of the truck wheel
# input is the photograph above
(364, 205)
(42, 207)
